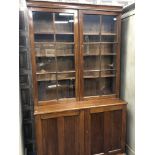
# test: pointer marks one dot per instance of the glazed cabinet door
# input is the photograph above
(104, 131)
(99, 48)
(60, 133)
(54, 54)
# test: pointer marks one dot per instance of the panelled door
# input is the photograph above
(105, 131)
(60, 133)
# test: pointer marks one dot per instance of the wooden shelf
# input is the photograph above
(62, 55)
(108, 34)
(62, 72)
(62, 86)
(40, 33)
(94, 77)
(91, 34)
(91, 42)
(66, 72)
(85, 43)
(66, 43)
(104, 54)
(67, 33)
(108, 54)
(97, 34)
(98, 70)
(54, 42)
(53, 33)
(67, 78)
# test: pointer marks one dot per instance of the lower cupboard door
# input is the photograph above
(103, 133)
(63, 135)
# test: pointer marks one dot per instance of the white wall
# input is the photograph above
(128, 76)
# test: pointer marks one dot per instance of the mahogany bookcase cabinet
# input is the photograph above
(75, 51)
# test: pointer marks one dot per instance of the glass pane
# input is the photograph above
(108, 38)
(44, 49)
(91, 24)
(54, 49)
(108, 49)
(108, 24)
(65, 63)
(91, 74)
(91, 62)
(99, 54)
(66, 89)
(108, 62)
(64, 38)
(47, 90)
(65, 49)
(46, 76)
(67, 75)
(107, 86)
(91, 31)
(64, 23)
(91, 38)
(46, 64)
(91, 49)
(43, 22)
(108, 73)
(44, 37)
(91, 87)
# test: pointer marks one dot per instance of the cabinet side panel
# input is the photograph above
(50, 136)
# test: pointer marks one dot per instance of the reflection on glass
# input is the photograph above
(46, 64)
(108, 24)
(43, 22)
(64, 23)
(91, 24)
(108, 62)
(66, 89)
(47, 90)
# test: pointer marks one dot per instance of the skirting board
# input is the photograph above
(129, 150)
